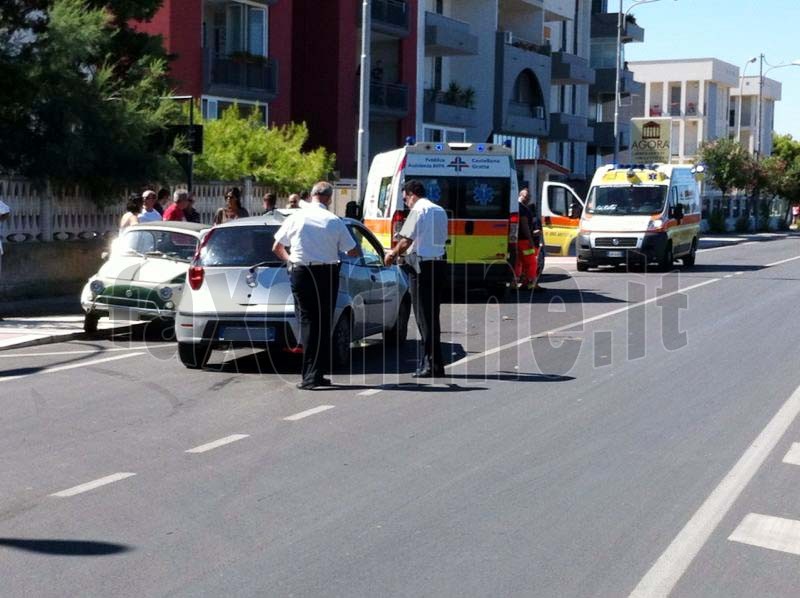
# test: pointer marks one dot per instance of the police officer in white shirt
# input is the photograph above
(422, 239)
(314, 237)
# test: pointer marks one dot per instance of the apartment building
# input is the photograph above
(743, 113)
(602, 93)
(695, 93)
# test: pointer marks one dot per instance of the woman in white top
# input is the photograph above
(131, 216)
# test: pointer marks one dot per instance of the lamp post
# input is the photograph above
(741, 97)
(363, 104)
(761, 74)
(620, 20)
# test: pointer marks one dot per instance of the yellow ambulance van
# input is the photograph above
(476, 183)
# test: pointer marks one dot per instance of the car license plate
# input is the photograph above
(616, 253)
(266, 334)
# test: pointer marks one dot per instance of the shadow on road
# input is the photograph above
(65, 547)
(513, 377)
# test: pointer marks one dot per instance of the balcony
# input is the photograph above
(522, 71)
(569, 127)
(570, 69)
(448, 37)
(604, 135)
(604, 26)
(390, 17)
(437, 109)
(388, 101)
(240, 76)
(604, 83)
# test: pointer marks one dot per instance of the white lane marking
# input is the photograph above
(109, 479)
(766, 531)
(71, 366)
(81, 352)
(728, 276)
(369, 392)
(308, 412)
(602, 316)
(726, 246)
(738, 273)
(672, 564)
(792, 457)
(210, 446)
(790, 259)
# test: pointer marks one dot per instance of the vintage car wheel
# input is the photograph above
(396, 335)
(341, 341)
(90, 321)
(194, 355)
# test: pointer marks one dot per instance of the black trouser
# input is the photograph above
(426, 298)
(315, 289)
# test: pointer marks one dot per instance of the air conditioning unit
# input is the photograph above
(538, 112)
(509, 37)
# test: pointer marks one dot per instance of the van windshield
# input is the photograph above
(627, 200)
(469, 197)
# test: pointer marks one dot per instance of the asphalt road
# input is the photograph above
(644, 446)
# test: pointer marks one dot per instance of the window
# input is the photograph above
(214, 107)
(626, 200)
(371, 252)
(246, 29)
(257, 31)
(165, 243)
(384, 194)
(469, 197)
(240, 246)
(441, 134)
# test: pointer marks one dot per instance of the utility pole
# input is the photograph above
(616, 83)
(363, 106)
(760, 94)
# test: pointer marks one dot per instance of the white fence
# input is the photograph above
(38, 215)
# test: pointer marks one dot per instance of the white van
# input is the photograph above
(640, 214)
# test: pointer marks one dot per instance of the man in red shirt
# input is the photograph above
(175, 211)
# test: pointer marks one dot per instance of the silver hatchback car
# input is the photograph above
(239, 295)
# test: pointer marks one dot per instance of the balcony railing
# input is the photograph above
(390, 16)
(257, 74)
(388, 98)
(522, 44)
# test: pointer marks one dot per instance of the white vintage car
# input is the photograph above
(239, 294)
(144, 274)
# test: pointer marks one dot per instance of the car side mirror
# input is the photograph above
(677, 212)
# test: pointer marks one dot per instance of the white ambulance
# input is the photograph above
(640, 214)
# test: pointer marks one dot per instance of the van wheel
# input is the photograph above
(341, 341)
(667, 259)
(194, 355)
(582, 266)
(90, 321)
(396, 335)
(688, 260)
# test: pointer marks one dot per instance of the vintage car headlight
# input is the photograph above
(97, 286)
(165, 293)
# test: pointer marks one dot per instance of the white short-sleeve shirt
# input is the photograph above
(151, 216)
(426, 227)
(315, 236)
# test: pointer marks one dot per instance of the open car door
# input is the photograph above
(561, 217)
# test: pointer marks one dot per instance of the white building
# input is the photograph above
(694, 92)
(744, 113)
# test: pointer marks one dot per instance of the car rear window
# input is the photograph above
(155, 242)
(240, 246)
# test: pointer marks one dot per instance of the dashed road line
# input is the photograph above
(726, 246)
(766, 531)
(779, 262)
(209, 446)
(792, 457)
(369, 392)
(307, 413)
(672, 564)
(71, 366)
(110, 479)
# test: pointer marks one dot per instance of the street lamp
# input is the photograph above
(741, 97)
(761, 74)
(620, 20)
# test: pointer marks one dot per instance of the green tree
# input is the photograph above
(729, 167)
(782, 170)
(84, 94)
(237, 146)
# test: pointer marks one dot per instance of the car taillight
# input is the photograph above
(513, 227)
(196, 275)
(397, 221)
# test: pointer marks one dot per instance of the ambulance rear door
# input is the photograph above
(561, 216)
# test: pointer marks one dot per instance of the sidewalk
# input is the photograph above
(18, 332)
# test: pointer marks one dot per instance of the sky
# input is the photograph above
(731, 30)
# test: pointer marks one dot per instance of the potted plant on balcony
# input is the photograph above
(452, 95)
(468, 97)
(243, 57)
